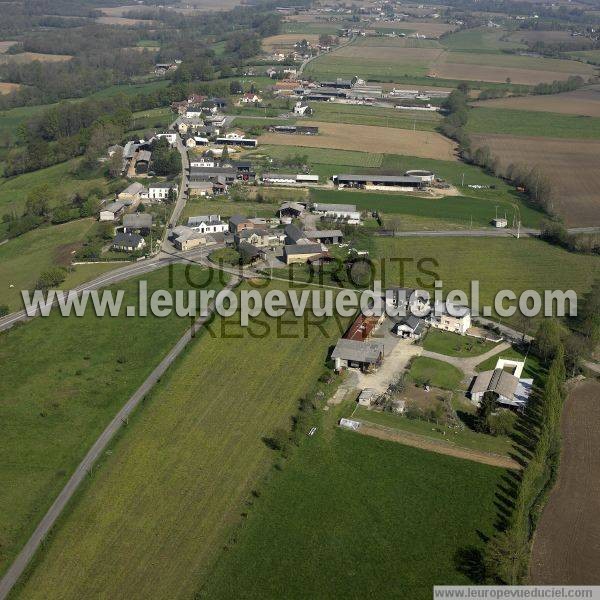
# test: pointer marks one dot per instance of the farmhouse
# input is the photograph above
(399, 182)
(171, 137)
(160, 191)
(185, 238)
(137, 223)
(338, 211)
(261, 238)
(128, 242)
(410, 327)
(225, 174)
(112, 211)
(200, 188)
(405, 301)
(238, 223)
(207, 224)
(132, 193)
(251, 252)
(451, 317)
(366, 356)
(295, 235)
(507, 387)
(301, 253)
(302, 108)
(250, 99)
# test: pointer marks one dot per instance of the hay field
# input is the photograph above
(432, 29)
(286, 41)
(26, 57)
(7, 88)
(123, 21)
(584, 102)
(573, 167)
(548, 37)
(366, 138)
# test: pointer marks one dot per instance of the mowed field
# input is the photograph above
(63, 379)
(579, 102)
(573, 167)
(356, 517)
(565, 548)
(162, 504)
(499, 68)
(365, 138)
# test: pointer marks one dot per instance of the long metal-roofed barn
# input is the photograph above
(400, 181)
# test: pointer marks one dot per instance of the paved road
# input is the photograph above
(131, 270)
(85, 466)
(467, 364)
(183, 188)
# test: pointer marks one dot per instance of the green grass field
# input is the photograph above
(162, 504)
(478, 40)
(23, 259)
(532, 123)
(63, 379)
(591, 56)
(152, 119)
(356, 517)
(60, 178)
(451, 211)
(323, 156)
(375, 116)
(452, 344)
(464, 438)
(424, 370)
(497, 263)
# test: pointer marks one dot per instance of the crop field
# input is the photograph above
(185, 468)
(506, 67)
(431, 29)
(565, 551)
(458, 261)
(584, 102)
(26, 57)
(456, 211)
(14, 191)
(333, 518)
(285, 41)
(369, 139)
(63, 379)
(125, 22)
(23, 259)
(573, 167)
(548, 37)
(377, 116)
(530, 123)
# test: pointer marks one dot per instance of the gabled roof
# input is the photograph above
(294, 249)
(138, 220)
(237, 219)
(368, 351)
(131, 240)
(294, 232)
(336, 207)
(323, 233)
(498, 380)
(113, 207)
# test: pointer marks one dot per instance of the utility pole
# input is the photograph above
(463, 180)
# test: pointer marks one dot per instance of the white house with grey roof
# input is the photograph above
(207, 224)
(160, 191)
(505, 383)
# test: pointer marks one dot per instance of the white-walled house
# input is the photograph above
(160, 192)
(169, 136)
(451, 317)
(207, 224)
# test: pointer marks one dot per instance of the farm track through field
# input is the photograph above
(432, 445)
(566, 547)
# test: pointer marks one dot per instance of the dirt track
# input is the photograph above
(566, 547)
(432, 445)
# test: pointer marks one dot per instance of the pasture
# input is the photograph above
(63, 379)
(572, 166)
(452, 344)
(23, 259)
(367, 138)
(324, 156)
(585, 101)
(439, 374)
(185, 466)
(447, 212)
(61, 179)
(484, 119)
(284, 42)
(331, 509)
(480, 39)
(497, 263)
(431, 29)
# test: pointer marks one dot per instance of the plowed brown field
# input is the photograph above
(566, 548)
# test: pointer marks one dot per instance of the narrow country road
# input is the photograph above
(85, 466)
